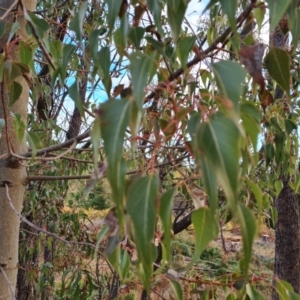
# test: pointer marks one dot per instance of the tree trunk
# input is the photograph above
(287, 245)
(11, 172)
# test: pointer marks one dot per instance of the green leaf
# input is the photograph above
(77, 23)
(140, 65)
(217, 141)
(165, 213)
(256, 190)
(25, 53)
(124, 264)
(33, 142)
(104, 62)
(93, 43)
(185, 46)
(177, 289)
(75, 96)
(14, 28)
(175, 14)
(284, 290)
(210, 185)
(229, 8)
(277, 62)
(15, 93)
(2, 124)
(155, 8)
(248, 229)
(113, 11)
(276, 10)
(68, 50)
(156, 44)
(206, 229)
(114, 116)
(19, 126)
(135, 35)
(119, 40)
(231, 86)
(253, 294)
(40, 25)
(251, 122)
(141, 199)
(294, 21)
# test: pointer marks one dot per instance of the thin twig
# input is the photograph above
(40, 229)
(13, 296)
(8, 10)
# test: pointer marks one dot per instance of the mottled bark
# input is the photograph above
(287, 244)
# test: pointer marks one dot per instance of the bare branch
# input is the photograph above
(13, 296)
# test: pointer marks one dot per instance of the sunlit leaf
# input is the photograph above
(253, 294)
(278, 65)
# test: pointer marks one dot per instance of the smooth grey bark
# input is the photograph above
(11, 171)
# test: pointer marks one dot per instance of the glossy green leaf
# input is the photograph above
(177, 289)
(206, 229)
(140, 205)
(231, 86)
(135, 35)
(113, 11)
(217, 141)
(33, 142)
(229, 8)
(277, 62)
(75, 96)
(185, 46)
(165, 213)
(276, 10)
(40, 25)
(284, 290)
(175, 14)
(77, 22)
(248, 228)
(14, 93)
(140, 65)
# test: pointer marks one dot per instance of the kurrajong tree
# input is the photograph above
(127, 94)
